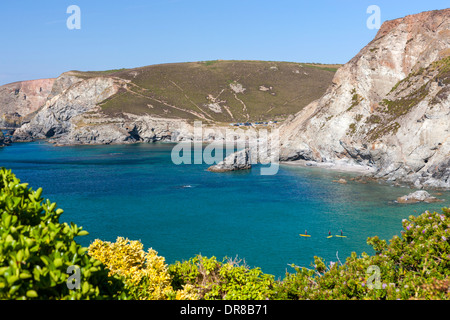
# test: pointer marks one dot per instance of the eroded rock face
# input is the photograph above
(388, 107)
(70, 115)
(55, 117)
(96, 128)
(19, 99)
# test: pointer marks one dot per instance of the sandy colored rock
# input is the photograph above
(23, 98)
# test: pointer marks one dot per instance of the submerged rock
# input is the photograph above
(341, 181)
(236, 161)
(418, 196)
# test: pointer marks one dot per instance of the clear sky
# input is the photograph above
(36, 43)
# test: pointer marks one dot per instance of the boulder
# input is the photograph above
(236, 161)
(418, 196)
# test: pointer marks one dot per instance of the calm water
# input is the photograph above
(135, 191)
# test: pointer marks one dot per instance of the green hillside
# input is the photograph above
(219, 91)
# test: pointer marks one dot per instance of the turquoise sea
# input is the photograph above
(135, 191)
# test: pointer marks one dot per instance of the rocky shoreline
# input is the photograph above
(342, 167)
(363, 174)
(241, 160)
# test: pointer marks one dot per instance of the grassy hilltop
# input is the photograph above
(218, 91)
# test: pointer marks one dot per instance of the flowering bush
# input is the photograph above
(144, 273)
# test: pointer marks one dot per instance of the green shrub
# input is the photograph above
(36, 250)
(226, 280)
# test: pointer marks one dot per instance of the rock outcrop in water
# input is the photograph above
(418, 196)
(239, 160)
(388, 107)
(5, 140)
(2, 140)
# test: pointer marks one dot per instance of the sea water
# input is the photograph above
(137, 192)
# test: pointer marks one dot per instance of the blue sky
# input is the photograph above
(36, 43)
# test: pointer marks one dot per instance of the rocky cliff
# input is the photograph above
(161, 102)
(20, 99)
(388, 108)
(72, 115)
(71, 96)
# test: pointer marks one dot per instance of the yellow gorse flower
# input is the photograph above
(144, 273)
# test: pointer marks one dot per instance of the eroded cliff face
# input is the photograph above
(20, 99)
(95, 127)
(71, 115)
(388, 108)
(54, 118)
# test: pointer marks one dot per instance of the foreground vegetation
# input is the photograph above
(37, 255)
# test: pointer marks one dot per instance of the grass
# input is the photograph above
(352, 128)
(92, 74)
(184, 90)
(327, 67)
(210, 63)
(356, 100)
